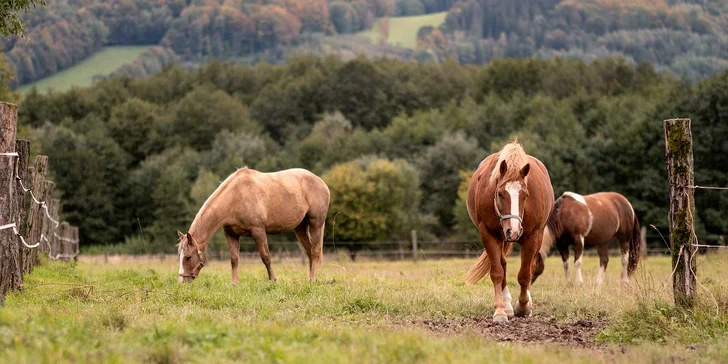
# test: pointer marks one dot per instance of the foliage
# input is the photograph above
(377, 199)
(11, 23)
(595, 126)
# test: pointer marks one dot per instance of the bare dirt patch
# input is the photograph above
(537, 330)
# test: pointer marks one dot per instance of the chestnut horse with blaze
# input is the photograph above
(592, 220)
(509, 200)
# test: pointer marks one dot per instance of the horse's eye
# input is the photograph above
(188, 258)
(499, 194)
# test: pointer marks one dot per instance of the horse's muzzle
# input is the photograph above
(511, 237)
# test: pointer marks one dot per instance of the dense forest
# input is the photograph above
(394, 140)
(688, 38)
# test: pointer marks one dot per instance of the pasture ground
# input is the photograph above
(103, 62)
(403, 30)
(364, 312)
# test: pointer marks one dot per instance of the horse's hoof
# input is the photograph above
(509, 310)
(525, 313)
(500, 319)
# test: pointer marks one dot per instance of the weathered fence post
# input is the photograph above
(8, 120)
(679, 153)
(47, 226)
(63, 249)
(414, 246)
(34, 228)
(76, 249)
(467, 252)
(55, 241)
(18, 250)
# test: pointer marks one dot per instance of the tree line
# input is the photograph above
(686, 38)
(395, 141)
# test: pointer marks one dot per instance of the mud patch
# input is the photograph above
(537, 330)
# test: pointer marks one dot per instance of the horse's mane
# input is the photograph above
(515, 158)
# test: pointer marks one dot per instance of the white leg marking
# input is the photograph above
(507, 299)
(577, 265)
(514, 189)
(567, 274)
(600, 276)
(625, 262)
(181, 269)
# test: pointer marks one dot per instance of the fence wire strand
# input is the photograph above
(44, 206)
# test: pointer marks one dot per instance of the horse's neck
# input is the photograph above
(206, 223)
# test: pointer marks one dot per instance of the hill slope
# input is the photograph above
(688, 37)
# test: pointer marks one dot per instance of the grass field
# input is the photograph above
(364, 312)
(103, 62)
(403, 30)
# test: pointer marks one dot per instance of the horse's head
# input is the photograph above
(191, 257)
(510, 197)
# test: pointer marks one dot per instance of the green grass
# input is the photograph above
(356, 312)
(103, 62)
(403, 30)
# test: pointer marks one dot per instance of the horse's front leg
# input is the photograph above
(529, 250)
(497, 273)
(234, 246)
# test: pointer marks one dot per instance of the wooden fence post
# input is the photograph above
(48, 227)
(36, 215)
(8, 120)
(679, 153)
(17, 249)
(414, 246)
(55, 242)
(76, 244)
(63, 245)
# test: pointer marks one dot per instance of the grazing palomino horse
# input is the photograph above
(592, 220)
(251, 203)
(509, 199)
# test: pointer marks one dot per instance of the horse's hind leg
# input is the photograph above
(234, 245)
(304, 238)
(624, 248)
(564, 251)
(603, 251)
(261, 240)
(316, 229)
(578, 251)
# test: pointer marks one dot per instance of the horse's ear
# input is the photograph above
(179, 233)
(525, 169)
(503, 167)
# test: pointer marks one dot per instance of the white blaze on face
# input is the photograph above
(181, 269)
(514, 189)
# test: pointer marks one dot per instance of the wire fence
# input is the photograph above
(28, 226)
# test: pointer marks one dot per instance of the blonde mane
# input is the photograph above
(515, 158)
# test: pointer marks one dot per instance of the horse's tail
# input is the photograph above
(635, 247)
(479, 270)
(482, 266)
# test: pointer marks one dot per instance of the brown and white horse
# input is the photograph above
(592, 220)
(251, 203)
(509, 200)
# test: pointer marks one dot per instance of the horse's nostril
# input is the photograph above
(508, 232)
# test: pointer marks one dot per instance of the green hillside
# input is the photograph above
(106, 61)
(403, 30)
